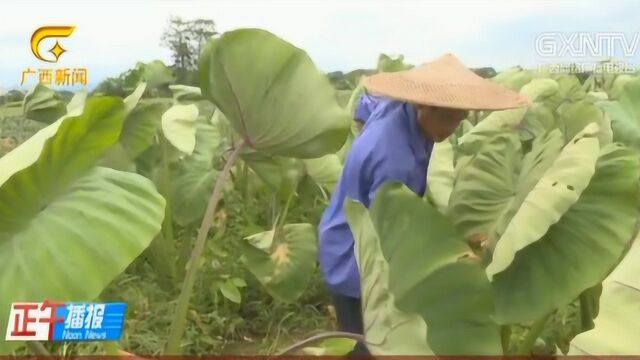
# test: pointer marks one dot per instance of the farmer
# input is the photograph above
(412, 110)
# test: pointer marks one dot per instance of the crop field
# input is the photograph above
(199, 206)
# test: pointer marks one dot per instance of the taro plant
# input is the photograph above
(530, 211)
(68, 226)
(158, 141)
(280, 107)
(618, 309)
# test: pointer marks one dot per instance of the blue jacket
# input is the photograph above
(391, 146)
(366, 105)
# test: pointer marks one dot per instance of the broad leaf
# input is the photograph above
(625, 114)
(230, 291)
(432, 273)
(574, 116)
(493, 183)
(42, 104)
(76, 104)
(281, 105)
(538, 120)
(324, 171)
(331, 347)
(578, 251)
(617, 326)
(440, 174)
(179, 126)
(281, 174)
(514, 78)
(388, 64)
(183, 93)
(193, 183)
(282, 260)
(83, 224)
(554, 193)
(497, 123)
(117, 158)
(589, 302)
(156, 74)
(569, 90)
(133, 99)
(354, 99)
(597, 95)
(388, 331)
(539, 89)
(617, 88)
(140, 128)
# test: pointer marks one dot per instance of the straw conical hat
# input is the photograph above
(444, 82)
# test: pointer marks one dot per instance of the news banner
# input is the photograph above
(65, 321)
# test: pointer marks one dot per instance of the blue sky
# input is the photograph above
(111, 36)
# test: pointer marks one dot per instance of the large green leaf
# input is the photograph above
(574, 116)
(440, 174)
(617, 325)
(191, 192)
(617, 88)
(183, 93)
(497, 123)
(557, 190)
(492, 185)
(625, 114)
(281, 105)
(589, 302)
(140, 128)
(388, 331)
(76, 104)
(389, 64)
(230, 291)
(193, 184)
(539, 89)
(95, 130)
(432, 273)
(514, 78)
(57, 212)
(485, 187)
(42, 104)
(117, 158)
(331, 347)
(578, 251)
(354, 99)
(281, 174)
(354, 129)
(155, 74)
(283, 260)
(179, 126)
(569, 90)
(324, 171)
(538, 120)
(132, 100)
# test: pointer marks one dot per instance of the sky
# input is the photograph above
(111, 36)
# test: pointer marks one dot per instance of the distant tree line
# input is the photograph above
(185, 39)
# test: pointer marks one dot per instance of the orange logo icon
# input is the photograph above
(46, 32)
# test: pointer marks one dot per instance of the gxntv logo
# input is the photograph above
(584, 44)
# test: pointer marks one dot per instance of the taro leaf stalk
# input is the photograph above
(280, 106)
(179, 322)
